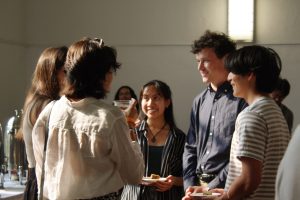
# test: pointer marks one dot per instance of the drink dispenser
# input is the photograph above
(14, 148)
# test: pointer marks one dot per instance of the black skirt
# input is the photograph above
(31, 189)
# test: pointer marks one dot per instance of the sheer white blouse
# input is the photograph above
(89, 151)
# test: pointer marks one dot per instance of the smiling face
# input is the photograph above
(153, 103)
(242, 85)
(211, 68)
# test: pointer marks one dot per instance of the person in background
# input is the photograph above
(47, 84)
(288, 174)
(213, 115)
(162, 145)
(281, 91)
(126, 93)
(89, 152)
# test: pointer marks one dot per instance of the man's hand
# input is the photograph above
(193, 189)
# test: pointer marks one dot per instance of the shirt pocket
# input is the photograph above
(226, 124)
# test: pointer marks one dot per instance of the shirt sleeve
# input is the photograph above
(127, 154)
(38, 140)
(27, 135)
(190, 157)
(252, 130)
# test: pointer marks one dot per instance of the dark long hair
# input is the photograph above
(163, 90)
(283, 86)
(132, 94)
(45, 83)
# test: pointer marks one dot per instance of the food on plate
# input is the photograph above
(205, 195)
(154, 176)
(207, 192)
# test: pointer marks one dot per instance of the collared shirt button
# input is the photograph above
(210, 134)
(213, 117)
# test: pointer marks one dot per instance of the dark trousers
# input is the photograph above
(31, 189)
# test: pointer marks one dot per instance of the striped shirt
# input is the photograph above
(171, 165)
(261, 133)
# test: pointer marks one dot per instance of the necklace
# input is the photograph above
(153, 139)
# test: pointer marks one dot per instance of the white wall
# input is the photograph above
(12, 55)
(172, 64)
(153, 40)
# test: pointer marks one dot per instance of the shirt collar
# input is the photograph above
(80, 103)
(224, 88)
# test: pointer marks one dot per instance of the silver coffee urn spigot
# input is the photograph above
(14, 148)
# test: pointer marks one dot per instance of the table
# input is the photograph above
(12, 190)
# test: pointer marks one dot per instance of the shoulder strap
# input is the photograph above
(44, 154)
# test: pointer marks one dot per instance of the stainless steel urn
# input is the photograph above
(14, 148)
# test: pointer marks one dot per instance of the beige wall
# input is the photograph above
(152, 38)
(12, 55)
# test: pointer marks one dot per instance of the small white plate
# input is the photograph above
(150, 180)
(205, 196)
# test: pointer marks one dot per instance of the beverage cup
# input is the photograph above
(122, 104)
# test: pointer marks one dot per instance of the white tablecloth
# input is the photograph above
(12, 190)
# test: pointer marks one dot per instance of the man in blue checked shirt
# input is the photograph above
(213, 115)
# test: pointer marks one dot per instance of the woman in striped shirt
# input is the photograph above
(162, 145)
